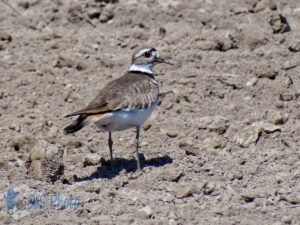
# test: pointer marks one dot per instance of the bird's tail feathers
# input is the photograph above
(79, 123)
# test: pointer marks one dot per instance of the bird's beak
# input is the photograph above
(161, 60)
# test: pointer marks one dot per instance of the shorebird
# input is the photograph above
(125, 102)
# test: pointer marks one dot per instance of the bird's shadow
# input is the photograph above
(129, 165)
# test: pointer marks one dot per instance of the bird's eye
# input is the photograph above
(147, 54)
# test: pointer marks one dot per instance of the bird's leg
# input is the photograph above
(110, 144)
(137, 148)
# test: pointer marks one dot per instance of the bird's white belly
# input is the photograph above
(124, 119)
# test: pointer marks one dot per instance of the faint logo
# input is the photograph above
(11, 196)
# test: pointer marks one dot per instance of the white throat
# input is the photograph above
(147, 68)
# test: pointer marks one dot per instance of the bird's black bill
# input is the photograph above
(161, 60)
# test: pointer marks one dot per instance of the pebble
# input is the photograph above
(146, 126)
(266, 127)
(169, 133)
(91, 160)
(172, 134)
(187, 190)
(279, 24)
(94, 13)
(5, 37)
(278, 118)
(46, 161)
(285, 97)
(251, 35)
(294, 45)
(293, 198)
(250, 134)
(252, 82)
(216, 124)
(265, 4)
(213, 143)
(209, 188)
(290, 64)
(107, 14)
(144, 213)
(171, 175)
(246, 136)
(270, 73)
(287, 219)
(184, 142)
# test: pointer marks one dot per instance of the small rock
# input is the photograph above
(287, 82)
(279, 24)
(209, 188)
(91, 160)
(94, 13)
(213, 143)
(172, 134)
(239, 9)
(270, 73)
(248, 197)
(5, 37)
(287, 219)
(162, 32)
(247, 136)
(186, 190)
(251, 194)
(278, 118)
(107, 14)
(293, 198)
(144, 213)
(146, 126)
(265, 4)
(184, 142)
(93, 189)
(290, 64)
(236, 175)
(266, 127)
(286, 97)
(252, 81)
(46, 161)
(294, 45)
(252, 35)
(66, 61)
(15, 127)
(216, 124)
(191, 150)
(71, 143)
(171, 175)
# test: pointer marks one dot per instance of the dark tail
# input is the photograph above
(79, 123)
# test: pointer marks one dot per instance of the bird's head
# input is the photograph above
(143, 60)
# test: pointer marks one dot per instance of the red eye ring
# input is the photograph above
(147, 54)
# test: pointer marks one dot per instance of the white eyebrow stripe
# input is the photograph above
(140, 53)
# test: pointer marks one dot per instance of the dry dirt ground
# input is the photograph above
(221, 148)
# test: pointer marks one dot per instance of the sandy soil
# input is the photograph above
(222, 147)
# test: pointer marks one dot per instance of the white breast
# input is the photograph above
(124, 119)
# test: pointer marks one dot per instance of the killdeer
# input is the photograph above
(125, 102)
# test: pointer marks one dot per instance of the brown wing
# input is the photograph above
(131, 91)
